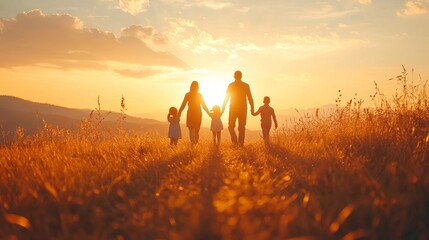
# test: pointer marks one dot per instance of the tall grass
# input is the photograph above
(356, 173)
(368, 162)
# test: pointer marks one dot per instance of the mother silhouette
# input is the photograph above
(195, 101)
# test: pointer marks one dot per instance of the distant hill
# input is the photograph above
(291, 115)
(16, 112)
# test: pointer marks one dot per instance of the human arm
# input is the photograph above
(225, 101)
(185, 100)
(203, 104)
(173, 119)
(255, 113)
(274, 118)
(250, 98)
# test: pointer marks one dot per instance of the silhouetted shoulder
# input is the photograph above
(238, 85)
(245, 86)
(200, 97)
(230, 86)
(186, 96)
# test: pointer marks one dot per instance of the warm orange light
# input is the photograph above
(213, 90)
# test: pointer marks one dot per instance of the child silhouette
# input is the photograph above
(174, 132)
(267, 113)
(216, 124)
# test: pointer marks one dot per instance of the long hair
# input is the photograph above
(194, 87)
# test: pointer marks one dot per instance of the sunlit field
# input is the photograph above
(354, 173)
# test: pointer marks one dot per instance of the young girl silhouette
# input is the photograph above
(174, 132)
(216, 124)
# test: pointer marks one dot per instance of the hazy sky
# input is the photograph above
(300, 53)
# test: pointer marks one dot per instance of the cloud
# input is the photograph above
(215, 5)
(326, 11)
(414, 7)
(304, 46)
(187, 35)
(365, 2)
(145, 33)
(139, 72)
(62, 41)
(211, 4)
(132, 7)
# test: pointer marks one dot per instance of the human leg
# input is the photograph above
(218, 137)
(242, 119)
(173, 142)
(231, 126)
(214, 137)
(192, 135)
(193, 122)
(197, 133)
(266, 134)
(266, 131)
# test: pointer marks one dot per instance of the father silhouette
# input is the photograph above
(239, 92)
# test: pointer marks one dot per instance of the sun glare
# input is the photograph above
(213, 91)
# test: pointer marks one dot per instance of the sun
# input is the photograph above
(213, 91)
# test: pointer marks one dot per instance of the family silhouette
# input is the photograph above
(239, 95)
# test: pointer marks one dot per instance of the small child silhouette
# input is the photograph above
(216, 124)
(266, 113)
(174, 132)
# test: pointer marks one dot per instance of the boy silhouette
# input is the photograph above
(267, 113)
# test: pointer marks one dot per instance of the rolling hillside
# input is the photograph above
(16, 112)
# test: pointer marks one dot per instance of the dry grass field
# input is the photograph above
(357, 173)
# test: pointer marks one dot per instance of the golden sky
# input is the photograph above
(300, 53)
